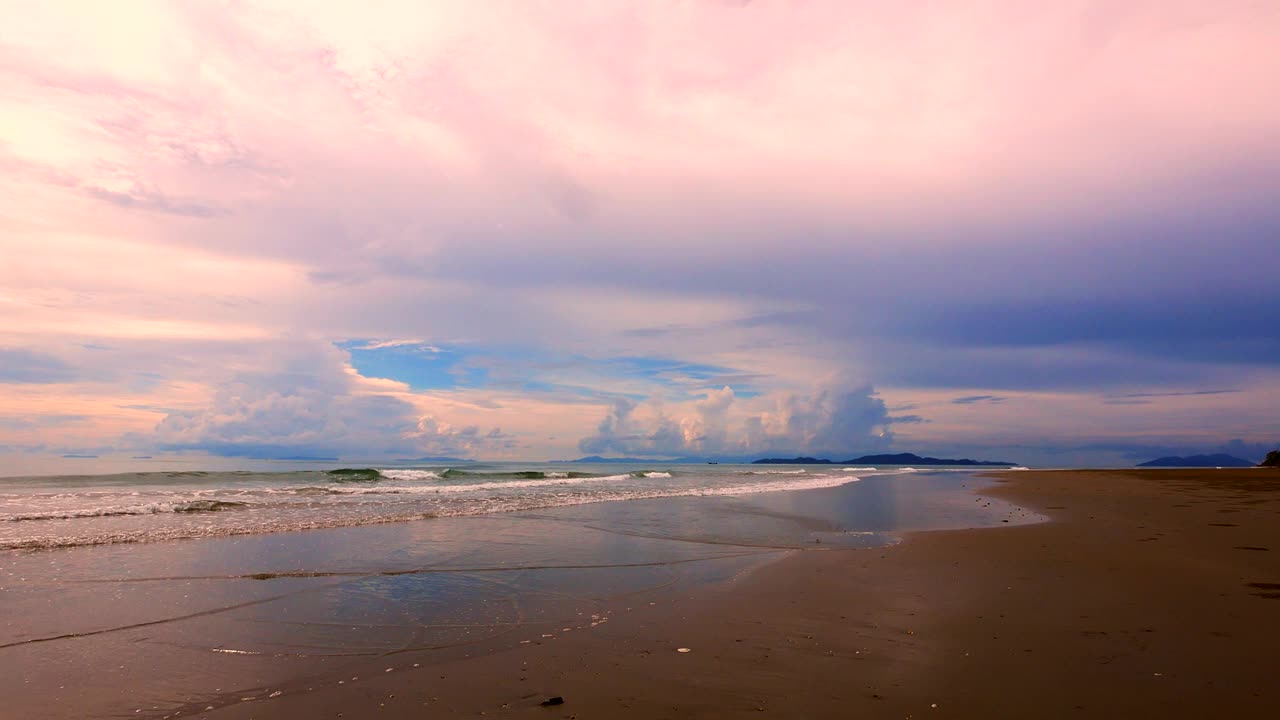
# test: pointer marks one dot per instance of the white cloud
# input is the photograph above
(835, 419)
(420, 345)
(776, 188)
(310, 403)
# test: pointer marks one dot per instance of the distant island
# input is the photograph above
(898, 459)
(76, 456)
(912, 459)
(598, 459)
(1272, 460)
(894, 459)
(1196, 461)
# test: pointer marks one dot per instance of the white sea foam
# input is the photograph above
(1019, 467)
(152, 508)
(409, 474)
(865, 469)
(777, 472)
(814, 482)
(387, 502)
(475, 487)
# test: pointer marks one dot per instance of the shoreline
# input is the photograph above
(260, 622)
(164, 507)
(1147, 594)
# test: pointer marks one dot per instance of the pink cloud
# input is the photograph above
(257, 170)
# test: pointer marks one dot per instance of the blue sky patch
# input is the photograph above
(424, 366)
(421, 366)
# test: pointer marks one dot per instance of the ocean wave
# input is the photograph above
(493, 481)
(410, 474)
(392, 502)
(865, 469)
(814, 482)
(454, 474)
(152, 508)
(308, 490)
(346, 475)
(777, 472)
(481, 506)
(476, 487)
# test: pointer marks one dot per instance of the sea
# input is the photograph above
(41, 512)
(185, 590)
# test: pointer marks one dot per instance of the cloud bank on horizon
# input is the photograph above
(1045, 231)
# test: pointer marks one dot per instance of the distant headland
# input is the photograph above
(1198, 461)
(896, 459)
(1272, 460)
(893, 459)
(598, 459)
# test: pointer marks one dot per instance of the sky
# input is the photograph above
(1043, 232)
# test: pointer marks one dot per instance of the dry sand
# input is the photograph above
(1150, 594)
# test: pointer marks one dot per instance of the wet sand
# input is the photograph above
(1150, 594)
(278, 624)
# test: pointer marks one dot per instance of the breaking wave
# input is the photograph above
(354, 475)
(445, 489)
(409, 474)
(153, 508)
(112, 512)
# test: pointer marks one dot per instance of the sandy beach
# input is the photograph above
(1149, 594)
(615, 359)
(175, 627)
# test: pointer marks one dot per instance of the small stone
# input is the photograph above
(557, 700)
